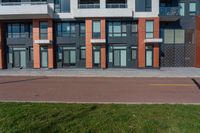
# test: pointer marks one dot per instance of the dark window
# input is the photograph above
(66, 29)
(96, 29)
(62, 6)
(17, 30)
(143, 5)
(134, 28)
(117, 29)
(82, 29)
(43, 30)
(134, 53)
(82, 53)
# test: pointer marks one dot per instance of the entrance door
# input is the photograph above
(19, 59)
(149, 56)
(120, 57)
(44, 57)
(96, 56)
(69, 56)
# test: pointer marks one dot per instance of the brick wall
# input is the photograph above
(142, 45)
(2, 46)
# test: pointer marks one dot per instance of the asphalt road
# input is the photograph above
(99, 90)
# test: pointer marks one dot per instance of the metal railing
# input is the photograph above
(83, 6)
(169, 11)
(22, 3)
(117, 5)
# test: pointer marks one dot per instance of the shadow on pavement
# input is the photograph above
(23, 80)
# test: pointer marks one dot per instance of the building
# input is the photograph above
(99, 33)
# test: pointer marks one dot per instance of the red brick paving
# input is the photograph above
(130, 90)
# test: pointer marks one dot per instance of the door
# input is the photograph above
(69, 56)
(96, 56)
(120, 58)
(44, 57)
(149, 56)
(16, 59)
(19, 59)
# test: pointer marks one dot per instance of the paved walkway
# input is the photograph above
(163, 72)
(100, 90)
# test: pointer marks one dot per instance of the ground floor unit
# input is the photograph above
(97, 43)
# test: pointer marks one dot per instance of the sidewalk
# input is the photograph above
(163, 72)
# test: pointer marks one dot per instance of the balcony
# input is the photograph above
(85, 6)
(117, 5)
(169, 13)
(25, 10)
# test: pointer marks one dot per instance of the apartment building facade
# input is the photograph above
(99, 33)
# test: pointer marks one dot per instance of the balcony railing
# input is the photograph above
(22, 3)
(169, 11)
(117, 5)
(85, 6)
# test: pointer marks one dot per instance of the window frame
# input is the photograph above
(121, 33)
(96, 35)
(44, 31)
(149, 32)
(191, 12)
(63, 31)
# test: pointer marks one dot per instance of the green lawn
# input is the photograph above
(79, 118)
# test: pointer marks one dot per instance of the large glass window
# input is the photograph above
(192, 9)
(117, 29)
(182, 9)
(66, 29)
(143, 5)
(43, 30)
(176, 36)
(17, 30)
(134, 28)
(82, 29)
(82, 53)
(149, 29)
(62, 6)
(96, 29)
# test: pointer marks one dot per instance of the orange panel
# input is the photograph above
(89, 56)
(141, 44)
(2, 50)
(197, 41)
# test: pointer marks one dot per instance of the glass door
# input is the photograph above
(149, 56)
(120, 57)
(19, 58)
(96, 56)
(44, 57)
(69, 56)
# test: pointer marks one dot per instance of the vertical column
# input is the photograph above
(141, 44)
(197, 30)
(50, 47)
(103, 46)
(156, 51)
(2, 47)
(36, 47)
(89, 50)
